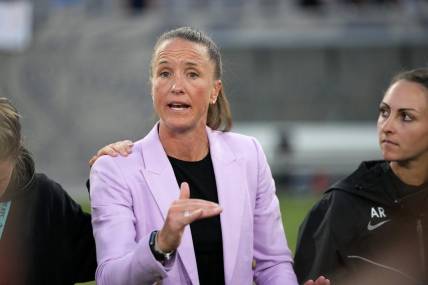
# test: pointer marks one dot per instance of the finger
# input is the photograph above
(194, 215)
(211, 212)
(124, 151)
(127, 142)
(123, 147)
(200, 214)
(107, 150)
(129, 148)
(192, 204)
(184, 191)
(92, 160)
(322, 281)
(309, 282)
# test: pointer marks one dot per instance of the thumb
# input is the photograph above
(184, 191)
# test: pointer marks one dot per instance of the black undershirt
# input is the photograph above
(206, 233)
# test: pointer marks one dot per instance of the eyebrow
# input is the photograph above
(382, 104)
(191, 63)
(163, 62)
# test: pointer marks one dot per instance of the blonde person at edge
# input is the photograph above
(189, 170)
(45, 237)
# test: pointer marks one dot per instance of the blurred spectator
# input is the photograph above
(310, 3)
(137, 6)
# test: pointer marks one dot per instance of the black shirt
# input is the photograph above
(206, 233)
(402, 188)
(47, 238)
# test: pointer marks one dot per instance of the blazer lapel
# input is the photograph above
(231, 189)
(160, 178)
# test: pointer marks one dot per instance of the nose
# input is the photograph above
(177, 86)
(387, 125)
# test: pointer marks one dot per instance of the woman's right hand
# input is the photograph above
(319, 281)
(183, 212)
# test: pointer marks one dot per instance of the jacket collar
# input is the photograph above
(372, 182)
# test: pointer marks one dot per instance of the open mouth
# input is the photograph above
(178, 106)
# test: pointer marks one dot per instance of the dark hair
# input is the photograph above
(219, 114)
(419, 75)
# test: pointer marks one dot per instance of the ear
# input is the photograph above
(218, 85)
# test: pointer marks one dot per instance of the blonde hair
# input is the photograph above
(10, 130)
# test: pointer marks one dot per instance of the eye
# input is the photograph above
(405, 117)
(193, 75)
(164, 74)
(383, 112)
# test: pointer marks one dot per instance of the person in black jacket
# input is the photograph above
(45, 237)
(372, 227)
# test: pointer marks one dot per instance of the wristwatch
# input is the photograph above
(157, 253)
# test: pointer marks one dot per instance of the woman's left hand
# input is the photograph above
(114, 149)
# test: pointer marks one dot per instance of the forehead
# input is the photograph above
(180, 49)
(406, 94)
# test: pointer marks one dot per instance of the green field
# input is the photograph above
(293, 209)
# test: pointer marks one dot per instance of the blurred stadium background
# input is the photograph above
(303, 76)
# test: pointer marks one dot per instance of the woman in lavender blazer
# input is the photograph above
(152, 222)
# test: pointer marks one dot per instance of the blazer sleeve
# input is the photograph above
(121, 258)
(317, 251)
(271, 253)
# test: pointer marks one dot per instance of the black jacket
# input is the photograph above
(361, 232)
(47, 238)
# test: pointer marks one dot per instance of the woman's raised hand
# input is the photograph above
(182, 212)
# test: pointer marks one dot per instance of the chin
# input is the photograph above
(178, 127)
(391, 156)
(399, 159)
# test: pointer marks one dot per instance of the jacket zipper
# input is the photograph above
(420, 231)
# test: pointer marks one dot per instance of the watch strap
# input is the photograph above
(157, 253)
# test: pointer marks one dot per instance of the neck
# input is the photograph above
(187, 145)
(411, 172)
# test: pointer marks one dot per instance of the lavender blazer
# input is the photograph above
(130, 197)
